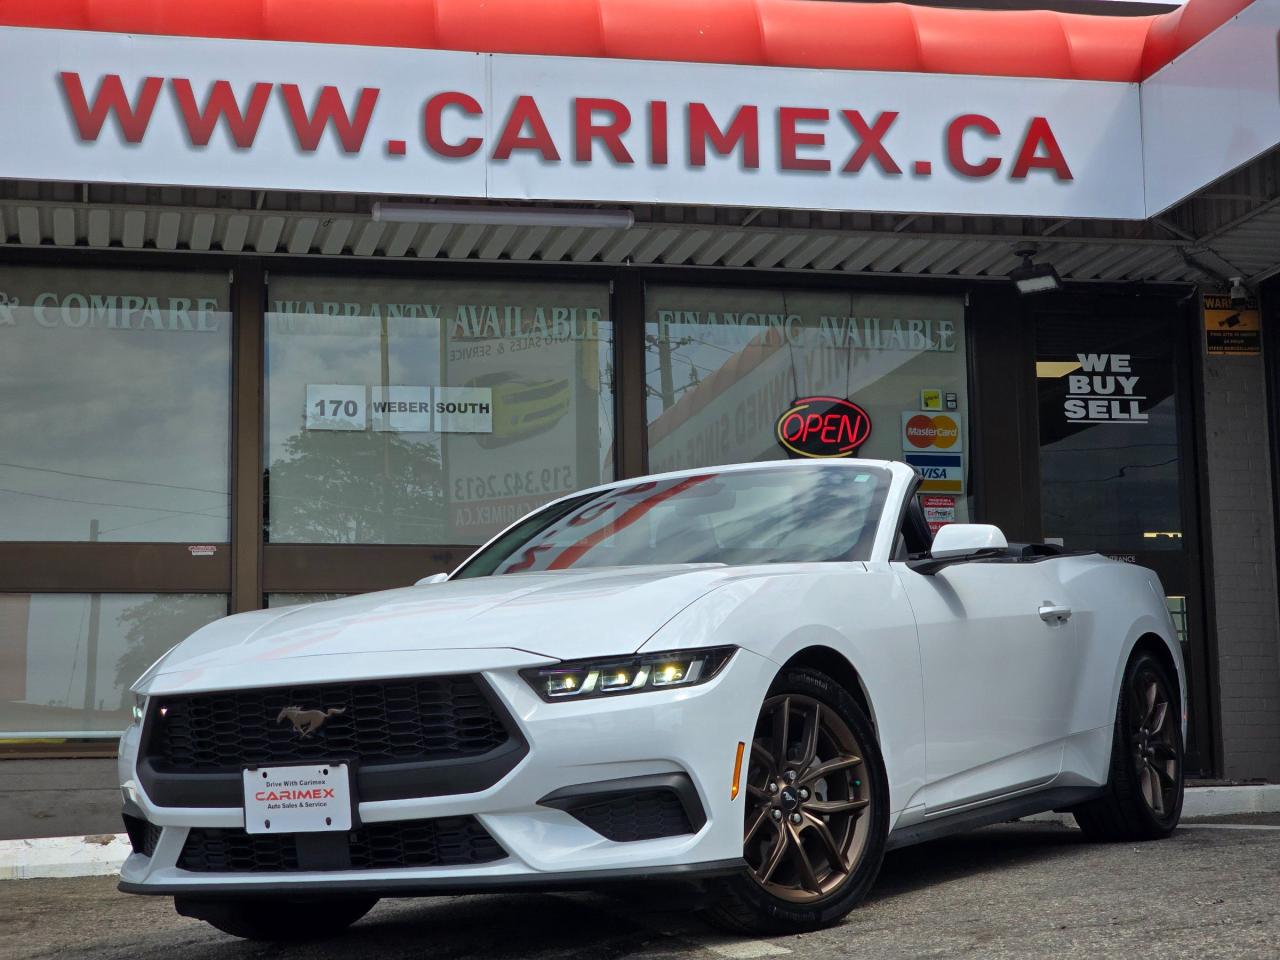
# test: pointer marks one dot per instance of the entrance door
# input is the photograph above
(1118, 469)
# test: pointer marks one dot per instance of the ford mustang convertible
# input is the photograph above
(758, 678)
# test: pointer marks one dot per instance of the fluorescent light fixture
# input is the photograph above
(1034, 277)
(503, 216)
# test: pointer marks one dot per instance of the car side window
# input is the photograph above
(914, 537)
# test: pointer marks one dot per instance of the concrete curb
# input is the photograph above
(92, 856)
(102, 854)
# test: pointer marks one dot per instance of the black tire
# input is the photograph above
(742, 903)
(1131, 809)
(277, 919)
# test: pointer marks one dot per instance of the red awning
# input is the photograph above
(778, 33)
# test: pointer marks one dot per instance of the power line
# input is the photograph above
(89, 476)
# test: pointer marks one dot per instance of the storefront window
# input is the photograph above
(67, 660)
(116, 390)
(1108, 434)
(275, 600)
(431, 412)
(723, 364)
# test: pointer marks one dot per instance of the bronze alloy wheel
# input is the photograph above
(1153, 736)
(808, 800)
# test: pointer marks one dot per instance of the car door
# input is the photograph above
(999, 668)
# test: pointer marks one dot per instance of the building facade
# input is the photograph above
(237, 379)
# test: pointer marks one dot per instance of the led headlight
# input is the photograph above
(139, 707)
(612, 676)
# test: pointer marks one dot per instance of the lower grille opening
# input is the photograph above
(445, 842)
(634, 808)
(645, 815)
(144, 836)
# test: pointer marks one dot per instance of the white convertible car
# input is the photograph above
(760, 677)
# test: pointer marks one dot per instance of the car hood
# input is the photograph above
(558, 615)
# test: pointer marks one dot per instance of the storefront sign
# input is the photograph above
(1106, 391)
(399, 409)
(930, 399)
(335, 406)
(823, 427)
(938, 511)
(297, 116)
(1231, 328)
(923, 431)
(940, 472)
(1214, 108)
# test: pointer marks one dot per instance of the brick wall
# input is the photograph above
(1244, 565)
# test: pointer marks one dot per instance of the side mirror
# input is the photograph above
(434, 578)
(961, 542)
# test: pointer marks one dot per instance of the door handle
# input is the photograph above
(1053, 613)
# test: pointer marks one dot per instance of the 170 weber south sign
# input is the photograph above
(222, 113)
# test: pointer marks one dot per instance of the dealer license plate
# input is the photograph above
(303, 799)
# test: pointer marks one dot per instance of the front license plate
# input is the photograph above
(305, 799)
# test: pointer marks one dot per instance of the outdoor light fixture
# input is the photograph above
(502, 216)
(1034, 277)
(1239, 292)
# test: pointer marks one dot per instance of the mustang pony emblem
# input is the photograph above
(307, 722)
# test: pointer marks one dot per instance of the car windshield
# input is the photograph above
(783, 514)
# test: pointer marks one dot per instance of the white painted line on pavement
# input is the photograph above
(1227, 826)
(91, 856)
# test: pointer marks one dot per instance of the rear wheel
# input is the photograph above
(816, 811)
(277, 919)
(1143, 800)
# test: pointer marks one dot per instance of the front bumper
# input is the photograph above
(690, 734)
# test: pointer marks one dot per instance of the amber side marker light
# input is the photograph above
(737, 772)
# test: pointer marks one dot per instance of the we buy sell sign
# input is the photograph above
(99, 107)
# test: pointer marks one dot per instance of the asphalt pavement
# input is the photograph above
(1012, 891)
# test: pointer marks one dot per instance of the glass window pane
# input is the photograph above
(431, 412)
(67, 660)
(116, 391)
(297, 599)
(1108, 433)
(724, 363)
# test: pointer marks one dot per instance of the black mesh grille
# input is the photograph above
(451, 841)
(395, 721)
(144, 836)
(643, 815)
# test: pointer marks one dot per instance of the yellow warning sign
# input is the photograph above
(1231, 328)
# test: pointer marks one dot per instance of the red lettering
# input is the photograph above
(793, 426)
(221, 103)
(260, 795)
(609, 134)
(431, 122)
(592, 513)
(831, 422)
(329, 107)
(744, 129)
(790, 139)
(812, 423)
(658, 133)
(1039, 134)
(529, 559)
(955, 145)
(111, 98)
(525, 111)
(870, 146)
(328, 792)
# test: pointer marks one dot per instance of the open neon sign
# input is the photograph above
(823, 427)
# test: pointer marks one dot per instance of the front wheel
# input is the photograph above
(816, 812)
(275, 919)
(1143, 799)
